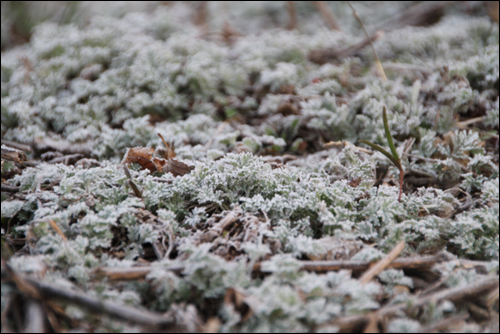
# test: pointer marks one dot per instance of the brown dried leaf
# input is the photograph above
(141, 155)
(144, 157)
(170, 150)
(175, 167)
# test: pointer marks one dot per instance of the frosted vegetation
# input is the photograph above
(253, 115)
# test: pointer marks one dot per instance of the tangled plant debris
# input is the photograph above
(267, 217)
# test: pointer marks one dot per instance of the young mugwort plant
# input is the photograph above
(394, 157)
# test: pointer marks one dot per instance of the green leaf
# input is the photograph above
(389, 137)
(397, 163)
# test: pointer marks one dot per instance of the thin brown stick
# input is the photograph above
(200, 15)
(323, 56)
(10, 189)
(377, 60)
(476, 288)
(67, 159)
(21, 147)
(351, 324)
(423, 262)
(56, 228)
(170, 148)
(131, 182)
(226, 222)
(13, 154)
(135, 188)
(464, 124)
(382, 264)
(292, 13)
(492, 298)
(401, 182)
(222, 225)
(40, 290)
(416, 15)
(327, 15)
(134, 273)
(444, 324)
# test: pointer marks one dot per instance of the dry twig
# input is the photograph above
(39, 290)
(383, 263)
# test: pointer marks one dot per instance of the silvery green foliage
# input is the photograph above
(449, 157)
(492, 115)
(323, 115)
(395, 277)
(196, 216)
(490, 192)
(476, 232)
(480, 70)
(404, 119)
(452, 38)
(284, 74)
(121, 70)
(278, 305)
(120, 80)
(404, 326)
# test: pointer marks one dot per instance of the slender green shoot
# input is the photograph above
(389, 137)
(393, 156)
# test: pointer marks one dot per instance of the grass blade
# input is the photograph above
(389, 137)
(397, 163)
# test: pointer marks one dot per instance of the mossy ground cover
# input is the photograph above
(283, 217)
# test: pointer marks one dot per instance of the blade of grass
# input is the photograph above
(384, 152)
(389, 137)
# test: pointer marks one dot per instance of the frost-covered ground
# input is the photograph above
(280, 180)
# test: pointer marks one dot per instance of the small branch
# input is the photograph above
(444, 324)
(127, 274)
(377, 60)
(401, 181)
(468, 122)
(383, 263)
(476, 288)
(13, 154)
(292, 13)
(424, 262)
(56, 228)
(226, 222)
(492, 298)
(323, 56)
(40, 290)
(327, 15)
(10, 189)
(21, 147)
(416, 15)
(222, 225)
(67, 159)
(131, 182)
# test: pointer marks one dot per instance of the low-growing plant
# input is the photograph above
(394, 157)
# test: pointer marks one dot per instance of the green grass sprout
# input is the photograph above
(394, 157)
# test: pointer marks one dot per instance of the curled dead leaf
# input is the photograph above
(144, 157)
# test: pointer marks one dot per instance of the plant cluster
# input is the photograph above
(274, 179)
